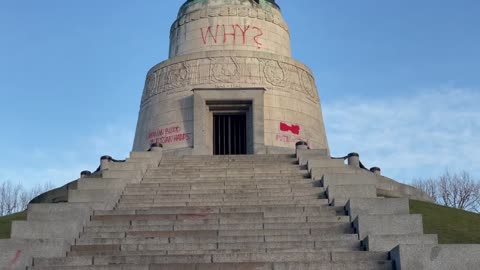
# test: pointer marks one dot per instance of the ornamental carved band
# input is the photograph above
(237, 11)
(228, 72)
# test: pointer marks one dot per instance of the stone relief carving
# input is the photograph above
(274, 73)
(224, 69)
(229, 72)
(240, 11)
(308, 84)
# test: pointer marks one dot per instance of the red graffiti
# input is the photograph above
(14, 260)
(209, 32)
(286, 138)
(171, 139)
(283, 138)
(164, 131)
(255, 38)
(168, 135)
(295, 129)
(236, 30)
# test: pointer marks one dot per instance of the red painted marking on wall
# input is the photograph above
(14, 260)
(259, 34)
(168, 135)
(236, 30)
(295, 129)
(286, 138)
(283, 138)
(244, 32)
(164, 131)
(208, 32)
(232, 34)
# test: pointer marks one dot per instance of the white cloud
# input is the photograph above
(415, 136)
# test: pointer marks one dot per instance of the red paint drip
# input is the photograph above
(14, 260)
(295, 129)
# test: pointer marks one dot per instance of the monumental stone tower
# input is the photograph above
(230, 85)
(187, 198)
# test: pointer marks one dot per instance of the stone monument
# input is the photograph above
(230, 85)
(230, 170)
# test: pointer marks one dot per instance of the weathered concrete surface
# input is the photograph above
(388, 242)
(304, 155)
(50, 229)
(341, 194)
(246, 210)
(338, 179)
(102, 183)
(61, 211)
(335, 171)
(377, 206)
(390, 188)
(388, 225)
(16, 254)
(436, 257)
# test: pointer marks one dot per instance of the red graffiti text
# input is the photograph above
(168, 135)
(228, 34)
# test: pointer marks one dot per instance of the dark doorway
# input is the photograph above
(229, 134)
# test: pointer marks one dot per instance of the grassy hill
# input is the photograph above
(453, 226)
(6, 223)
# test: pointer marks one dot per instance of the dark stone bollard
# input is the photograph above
(354, 160)
(85, 174)
(376, 170)
(155, 147)
(301, 145)
(104, 161)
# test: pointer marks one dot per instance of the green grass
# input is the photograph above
(6, 223)
(452, 226)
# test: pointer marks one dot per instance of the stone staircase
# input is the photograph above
(221, 212)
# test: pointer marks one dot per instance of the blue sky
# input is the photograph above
(399, 80)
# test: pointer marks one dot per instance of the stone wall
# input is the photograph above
(291, 105)
(241, 25)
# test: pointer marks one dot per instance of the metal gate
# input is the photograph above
(229, 134)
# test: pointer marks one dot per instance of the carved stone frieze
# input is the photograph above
(274, 73)
(238, 11)
(229, 71)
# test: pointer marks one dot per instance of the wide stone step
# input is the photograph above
(212, 248)
(251, 169)
(226, 184)
(236, 191)
(315, 202)
(97, 226)
(215, 185)
(374, 265)
(218, 202)
(214, 197)
(303, 257)
(228, 175)
(209, 237)
(267, 210)
(259, 163)
(222, 218)
(232, 183)
(225, 172)
(145, 231)
(215, 178)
